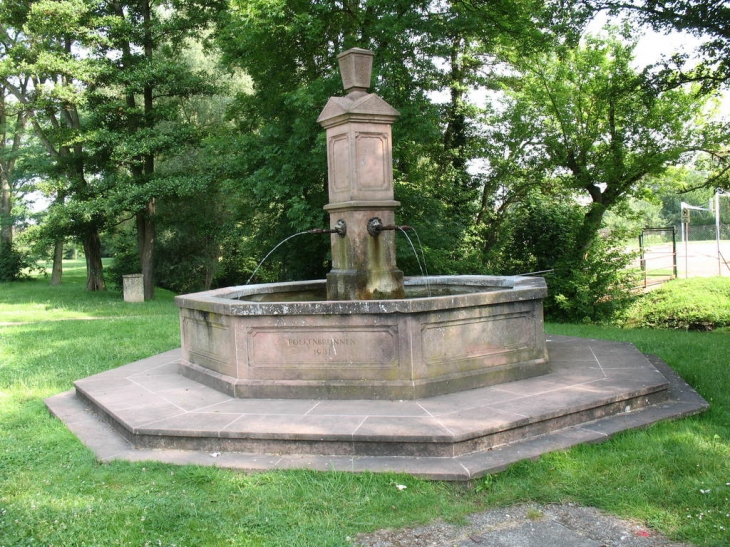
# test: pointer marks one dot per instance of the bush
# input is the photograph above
(593, 289)
(14, 265)
(688, 304)
(123, 245)
(597, 289)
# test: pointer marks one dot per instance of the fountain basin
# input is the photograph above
(474, 331)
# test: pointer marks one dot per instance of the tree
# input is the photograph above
(12, 126)
(705, 19)
(428, 56)
(135, 100)
(43, 71)
(603, 129)
(105, 96)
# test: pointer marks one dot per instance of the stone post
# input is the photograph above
(360, 180)
(133, 287)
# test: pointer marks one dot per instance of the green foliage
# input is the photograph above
(14, 264)
(597, 289)
(125, 255)
(420, 49)
(594, 287)
(602, 129)
(541, 232)
(689, 304)
(706, 19)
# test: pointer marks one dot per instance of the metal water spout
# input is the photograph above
(360, 185)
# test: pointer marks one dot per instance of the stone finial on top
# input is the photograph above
(356, 68)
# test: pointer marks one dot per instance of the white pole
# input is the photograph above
(717, 231)
(686, 252)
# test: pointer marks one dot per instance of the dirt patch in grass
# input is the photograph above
(528, 525)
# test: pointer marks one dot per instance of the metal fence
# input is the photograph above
(681, 251)
(658, 255)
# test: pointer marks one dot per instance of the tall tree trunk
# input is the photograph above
(6, 167)
(461, 195)
(57, 271)
(146, 246)
(94, 267)
(589, 230)
(6, 207)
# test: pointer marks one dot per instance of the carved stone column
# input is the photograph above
(360, 177)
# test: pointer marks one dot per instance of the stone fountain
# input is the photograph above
(446, 377)
(363, 337)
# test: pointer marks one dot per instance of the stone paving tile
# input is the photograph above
(124, 394)
(581, 375)
(368, 408)
(435, 468)
(294, 427)
(554, 403)
(232, 460)
(625, 384)
(400, 429)
(95, 434)
(167, 369)
(316, 463)
(260, 406)
(189, 424)
(133, 418)
(473, 398)
(159, 382)
(535, 387)
(143, 365)
(160, 401)
(499, 458)
(192, 397)
(481, 420)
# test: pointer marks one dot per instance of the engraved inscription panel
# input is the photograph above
(466, 339)
(372, 150)
(316, 348)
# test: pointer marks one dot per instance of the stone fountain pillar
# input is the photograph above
(360, 177)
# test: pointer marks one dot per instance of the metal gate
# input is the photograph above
(658, 255)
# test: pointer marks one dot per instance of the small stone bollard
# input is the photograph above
(133, 287)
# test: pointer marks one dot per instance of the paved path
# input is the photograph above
(697, 259)
(525, 526)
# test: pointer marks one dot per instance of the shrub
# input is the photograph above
(689, 304)
(595, 288)
(14, 265)
(123, 245)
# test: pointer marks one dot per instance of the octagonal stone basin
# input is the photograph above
(283, 340)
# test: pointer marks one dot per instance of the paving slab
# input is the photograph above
(148, 410)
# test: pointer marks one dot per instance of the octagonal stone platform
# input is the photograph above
(148, 411)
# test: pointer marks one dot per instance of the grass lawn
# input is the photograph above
(674, 476)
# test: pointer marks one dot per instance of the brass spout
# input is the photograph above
(340, 229)
(375, 226)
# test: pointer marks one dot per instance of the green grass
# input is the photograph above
(699, 303)
(53, 491)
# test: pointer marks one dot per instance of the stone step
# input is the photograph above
(595, 389)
